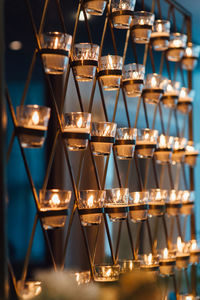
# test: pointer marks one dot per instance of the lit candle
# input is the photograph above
(174, 203)
(178, 150)
(194, 252)
(176, 47)
(142, 26)
(164, 149)
(154, 88)
(149, 263)
(116, 204)
(106, 273)
(83, 277)
(29, 289)
(191, 154)
(146, 142)
(122, 20)
(182, 254)
(125, 143)
(190, 57)
(133, 79)
(95, 8)
(138, 207)
(167, 263)
(157, 202)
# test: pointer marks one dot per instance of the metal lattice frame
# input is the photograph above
(158, 110)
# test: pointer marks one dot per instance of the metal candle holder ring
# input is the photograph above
(87, 211)
(30, 131)
(102, 139)
(54, 51)
(138, 26)
(160, 38)
(157, 91)
(138, 207)
(76, 135)
(145, 146)
(109, 72)
(124, 12)
(86, 62)
(124, 142)
(120, 209)
(53, 213)
(133, 81)
(173, 205)
(157, 206)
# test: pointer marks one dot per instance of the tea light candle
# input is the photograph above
(173, 204)
(190, 57)
(29, 289)
(125, 143)
(149, 263)
(85, 61)
(76, 130)
(90, 204)
(128, 265)
(95, 8)
(106, 273)
(55, 51)
(191, 154)
(110, 71)
(187, 202)
(133, 79)
(182, 255)
(53, 206)
(187, 297)
(142, 26)
(160, 35)
(185, 100)
(163, 152)
(194, 252)
(167, 263)
(121, 13)
(32, 123)
(83, 277)
(102, 138)
(154, 88)
(178, 153)
(157, 201)
(138, 206)
(177, 46)
(116, 204)
(146, 142)
(171, 94)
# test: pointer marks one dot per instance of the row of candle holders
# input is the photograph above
(78, 130)
(117, 203)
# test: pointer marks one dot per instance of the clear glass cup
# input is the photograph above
(85, 61)
(102, 137)
(95, 8)
(176, 47)
(178, 153)
(187, 198)
(55, 51)
(174, 203)
(163, 152)
(121, 12)
(149, 263)
(90, 199)
(157, 200)
(138, 208)
(76, 130)
(54, 200)
(128, 265)
(190, 57)
(146, 142)
(110, 71)
(142, 26)
(191, 154)
(83, 277)
(32, 122)
(160, 35)
(29, 289)
(133, 79)
(154, 88)
(182, 254)
(117, 198)
(167, 262)
(125, 142)
(185, 100)
(194, 248)
(171, 94)
(106, 273)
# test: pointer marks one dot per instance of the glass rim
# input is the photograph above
(55, 191)
(158, 190)
(115, 189)
(34, 106)
(143, 12)
(118, 56)
(56, 33)
(84, 44)
(140, 192)
(107, 265)
(107, 123)
(91, 191)
(178, 34)
(134, 64)
(77, 113)
(127, 128)
(147, 129)
(162, 21)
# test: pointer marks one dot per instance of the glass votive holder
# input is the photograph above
(83, 277)
(133, 79)
(125, 141)
(146, 142)
(138, 206)
(32, 123)
(185, 100)
(142, 26)
(53, 205)
(154, 88)
(116, 204)
(90, 206)
(110, 72)
(122, 12)
(95, 7)
(163, 151)
(182, 254)
(102, 138)
(157, 199)
(194, 249)
(85, 61)
(149, 263)
(191, 154)
(29, 289)
(167, 263)
(160, 35)
(174, 203)
(55, 51)
(176, 47)
(178, 153)
(187, 198)
(187, 297)
(76, 130)
(128, 265)
(106, 273)
(190, 57)
(171, 94)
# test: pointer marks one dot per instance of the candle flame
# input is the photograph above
(35, 118)
(173, 195)
(165, 253)
(170, 87)
(110, 62)
(141, 21)
(158, 196)
(56, 43)
(137, 198)
(106, 130)
(90, 201)
(55, 200)
(180, 245)
(159, 28)
(193, 245)
(183, 93)
(108, 273)
(186, 196)
(79, 122)
(188, 51)
(148, 259)
(162, 141)
(146, 136)
(153, 82)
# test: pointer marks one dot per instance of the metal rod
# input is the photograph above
(118, 241)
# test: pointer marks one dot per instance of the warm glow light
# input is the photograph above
(193, 245)
(176, 144)
(162, 141)
(110, 62)
(137, 198)
(189, 298)
(118, 194)
(141, 21)
(170, 87)
(55, 200)
(185, 196)
(173, 196)
(177, 43)
(107, 130)
(160, 27)
(90, 201)
(180, 245)
(108, 273)
(146, 136)
(183, 93)
(80, 122)
(188, 51)
(148, 259)
(153, 82)
(158, 196)
(35, 118)
(15, 45)
(56, 43)
(165, 253)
